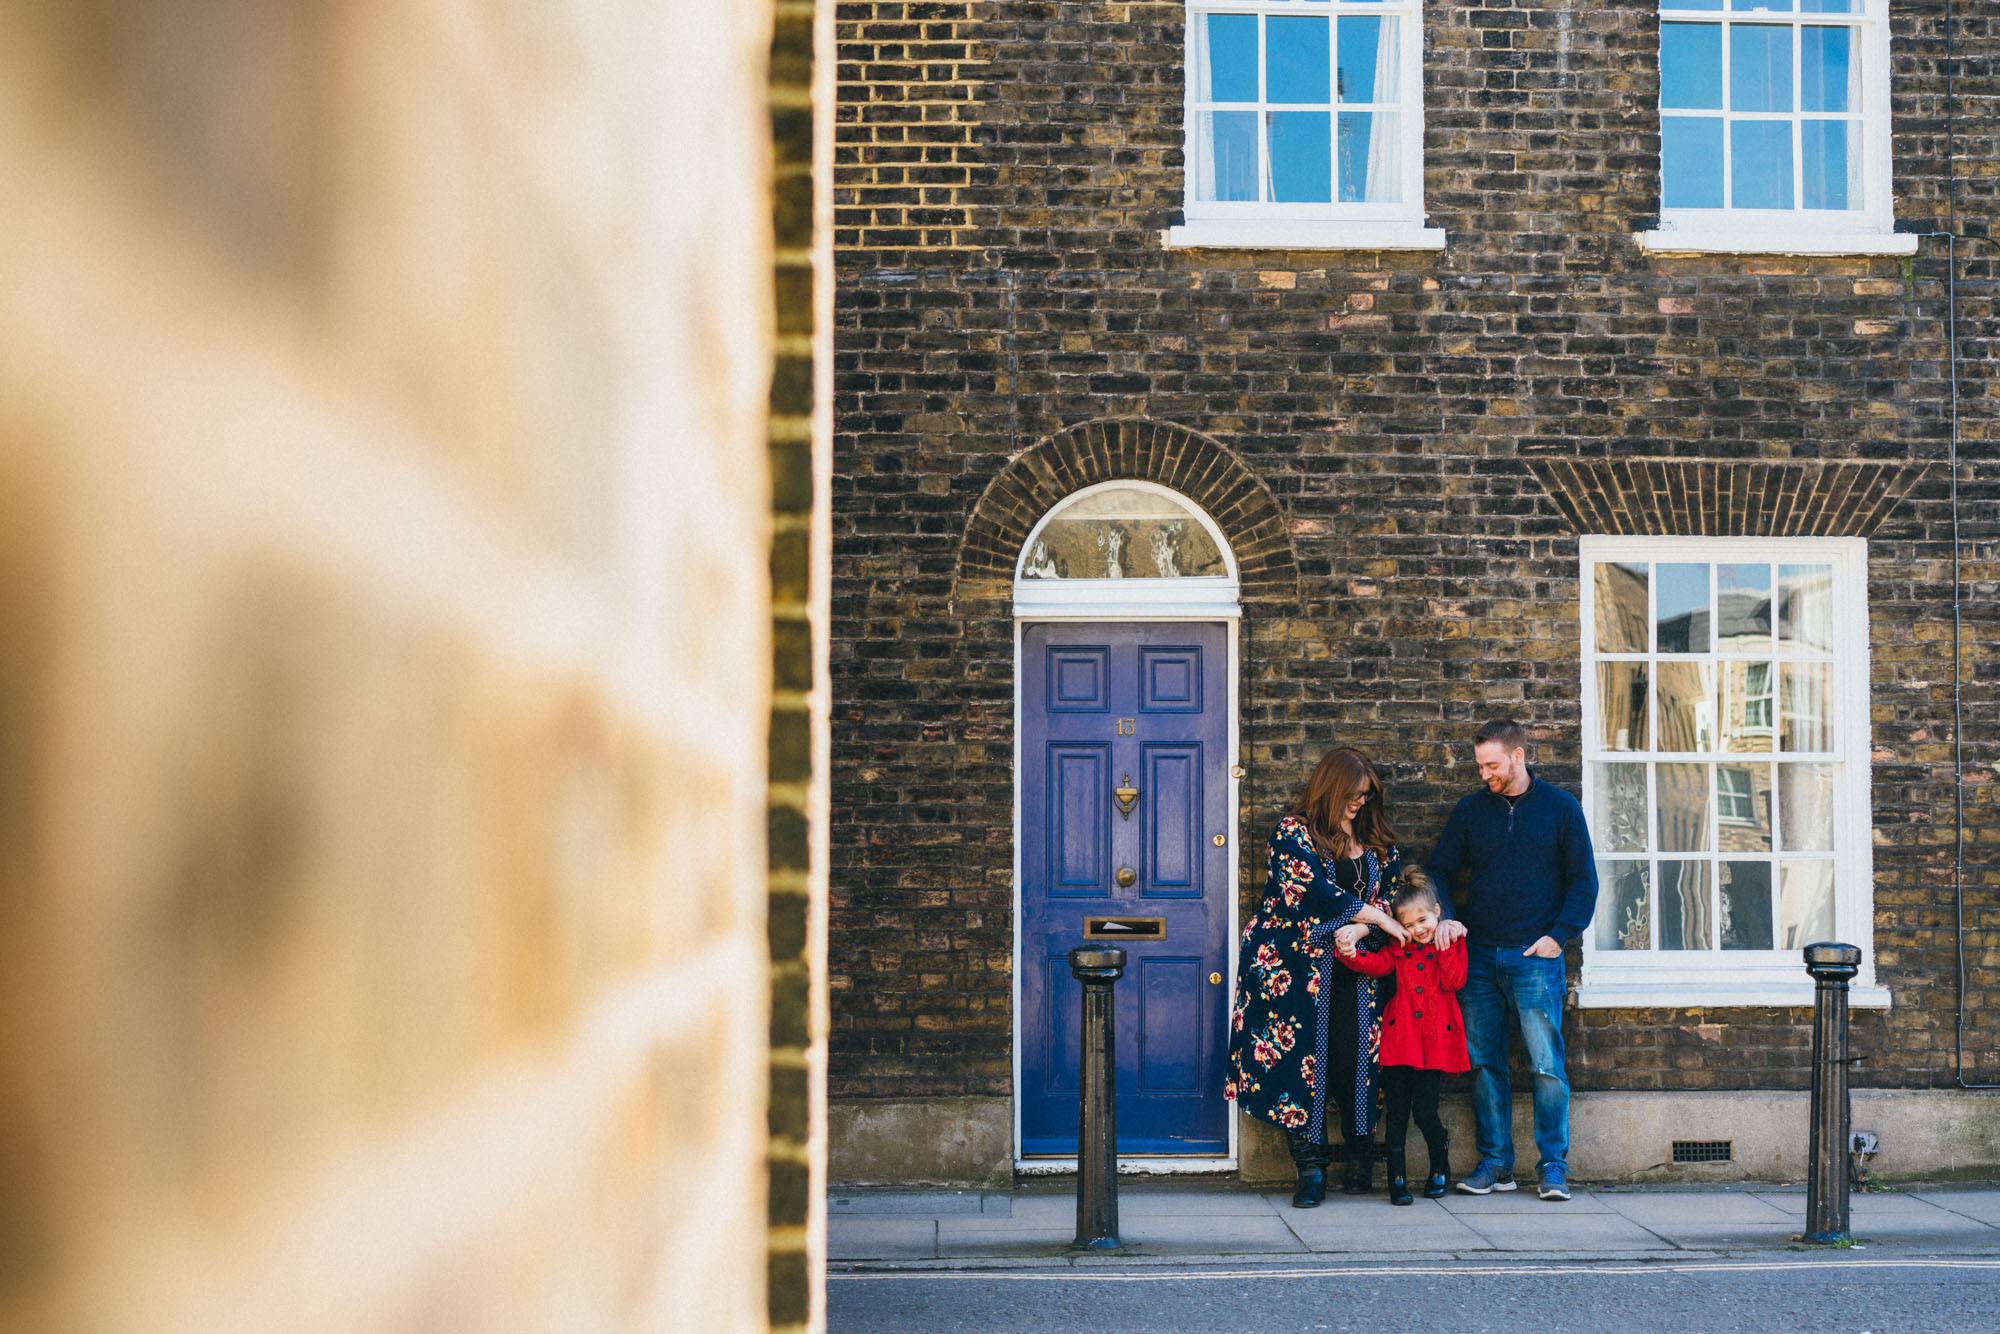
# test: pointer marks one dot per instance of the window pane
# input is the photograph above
(1123, 533)
(1805, 903)
(1774, 6)
(1682, 793)
(1368, 59)
(1620, 595)
(1829, 76)
(1301, 157)
(1684, 910)
(1621, 706)
(1760, 174)
(1743, 608)
(1805, 716)
(1683, 608)
(1297, 60)
(1747, 716)
(1690, 162)
(1691, 4)
(1232, 58)
(1828, 6)
(1830, 167)
(1618, 807)
(1805, 606)
(1691, 66)
(1760, 67)
(1743, 807)
(1687, 690)
(1805, 807)
(1371, 157)
(1746, 905)
(1228, 170)
(1624, 906)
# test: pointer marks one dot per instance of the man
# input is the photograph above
(1533, 887)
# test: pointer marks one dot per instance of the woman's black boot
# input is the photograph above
(1434, 1188)
(1360, 1167)
(1312, 1188)
(1399, 1186)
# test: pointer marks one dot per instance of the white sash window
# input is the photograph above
(1305, 125)
(1725, 745)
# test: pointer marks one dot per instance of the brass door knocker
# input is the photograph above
(1126, 796)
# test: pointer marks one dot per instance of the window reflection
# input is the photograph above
(1620, 598)
(1123, 533)
(1684, 908)
(1747, 708)
(1805, 717)
(1681, 791)
(1618, 808)
(1743, 807)
(1683, 610)
(1745, 899)
(1686, 689)
(1624, 906)
(1805, 606)
(1805, 903)
(1621, 705)
(1805, 807)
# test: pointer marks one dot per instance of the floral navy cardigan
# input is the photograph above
(1291, 990)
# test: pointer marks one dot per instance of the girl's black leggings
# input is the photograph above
(1411, 1093)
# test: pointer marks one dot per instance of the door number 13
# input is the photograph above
(1127, 726)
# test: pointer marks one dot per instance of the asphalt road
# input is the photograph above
(1850, 1294)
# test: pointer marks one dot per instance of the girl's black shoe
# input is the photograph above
(1434, 1188)
(1359, 1178)
(1399, 1187)
(1312, 1188)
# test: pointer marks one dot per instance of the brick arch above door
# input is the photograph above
(1127, 449)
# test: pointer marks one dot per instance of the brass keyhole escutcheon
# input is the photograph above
(1219, 840)
(1126, 877)
(1126, 796)
(1215, 979)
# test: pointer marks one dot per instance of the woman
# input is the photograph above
(1302, 1030)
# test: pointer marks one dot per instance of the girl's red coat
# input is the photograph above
(1422, 1026)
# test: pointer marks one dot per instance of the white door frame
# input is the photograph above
(1123, 601)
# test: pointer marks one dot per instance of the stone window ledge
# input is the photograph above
(1291, 234)
(1756, 241)
(1696, 994)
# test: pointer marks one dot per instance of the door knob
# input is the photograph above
(1126, 877)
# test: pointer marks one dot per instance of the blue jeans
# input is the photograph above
(1505, 988)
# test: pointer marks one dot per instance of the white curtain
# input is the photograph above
(1385, 138)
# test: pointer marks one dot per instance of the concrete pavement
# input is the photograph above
(1187, 1223)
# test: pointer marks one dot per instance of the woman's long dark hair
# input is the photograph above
(1340, 774)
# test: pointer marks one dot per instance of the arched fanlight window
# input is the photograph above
(1133, 546)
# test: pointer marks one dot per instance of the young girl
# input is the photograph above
(1423, 1037)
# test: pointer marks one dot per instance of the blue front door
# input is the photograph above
(1124, 839)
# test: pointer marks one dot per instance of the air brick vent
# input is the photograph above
(1702, 1150)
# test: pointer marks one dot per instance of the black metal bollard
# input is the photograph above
(1097, 1104)
(1832, 966)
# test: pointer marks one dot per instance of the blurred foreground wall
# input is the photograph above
(386, 648)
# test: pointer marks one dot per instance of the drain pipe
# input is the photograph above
(1950, 238)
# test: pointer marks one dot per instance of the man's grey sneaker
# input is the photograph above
(1555, 1182)
(1486, 1179)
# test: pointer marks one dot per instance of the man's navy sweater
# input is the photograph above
(1533, 873)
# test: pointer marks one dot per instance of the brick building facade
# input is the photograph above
(1405, 450)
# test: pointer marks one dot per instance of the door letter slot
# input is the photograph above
(1123, 928)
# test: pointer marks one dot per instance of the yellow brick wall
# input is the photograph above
(385, 665)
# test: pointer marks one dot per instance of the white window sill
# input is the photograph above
(1757, 241)
(1691, 994)
(1293, 234)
